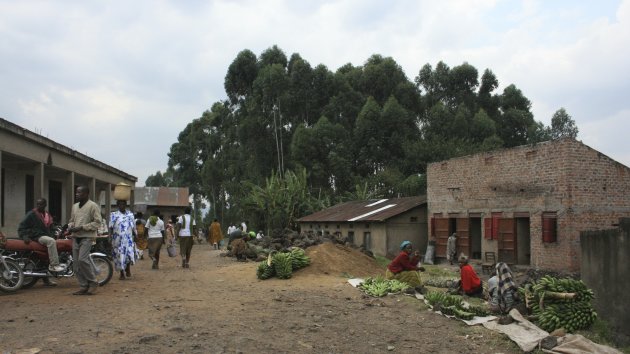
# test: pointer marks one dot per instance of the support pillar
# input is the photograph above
(1, 194)
(38, 175)
(108, 200)
(69, 187)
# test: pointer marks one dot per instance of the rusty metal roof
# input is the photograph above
(161, 196)
(366, 210)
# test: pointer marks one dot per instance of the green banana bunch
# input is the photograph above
(380, 286)
(265, 271)
(299, 259)
(440, 282)
(554, 309)
(282, 265)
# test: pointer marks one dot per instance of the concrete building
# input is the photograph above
(379, 225)
(527, 204)
(34, 166)
(169, 200)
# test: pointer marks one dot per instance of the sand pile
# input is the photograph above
(340, 260)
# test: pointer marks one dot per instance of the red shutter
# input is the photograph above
(549, 227)
(487, 228)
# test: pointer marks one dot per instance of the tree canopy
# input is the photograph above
(361, 131)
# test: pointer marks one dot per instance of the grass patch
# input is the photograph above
(437, 271)
(382, 261)
(600, 333)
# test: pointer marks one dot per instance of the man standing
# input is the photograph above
(36, 227)
(84, 222)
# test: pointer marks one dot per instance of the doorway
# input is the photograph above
(523, 253)
(54, 200)
(475, 238)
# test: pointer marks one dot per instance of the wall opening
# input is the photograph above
(475, 238)
(29, 193)
(367, 241)
(523, 248)
(54, 200)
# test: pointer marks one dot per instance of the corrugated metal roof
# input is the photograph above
(366, 210)
(162, 196)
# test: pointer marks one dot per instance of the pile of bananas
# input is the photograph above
(560, 303)
(440, 282)
(380, 286)
(444, 299)
(453, 305)
(282, 265)
(299, 259)
(265, 271)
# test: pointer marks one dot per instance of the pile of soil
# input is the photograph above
(340, 260)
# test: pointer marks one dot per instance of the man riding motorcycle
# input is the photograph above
(36, 226)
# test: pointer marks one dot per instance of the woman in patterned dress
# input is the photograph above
(121, 227)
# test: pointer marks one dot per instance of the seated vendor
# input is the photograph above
(470, 283)
(405, 266)
(502, 291)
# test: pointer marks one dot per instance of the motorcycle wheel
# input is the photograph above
(105, 268)
(11, 276)
(28, 265)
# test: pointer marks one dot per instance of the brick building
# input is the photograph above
(526, 204)
(378, 225)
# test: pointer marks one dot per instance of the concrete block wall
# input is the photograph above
(587, 190)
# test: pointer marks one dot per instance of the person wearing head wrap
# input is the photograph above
(405, 266)
(451, 248)
(502, 290)
(470, 284)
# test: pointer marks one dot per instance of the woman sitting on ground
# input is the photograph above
(503, 293)
(470, 284)
(405, 266)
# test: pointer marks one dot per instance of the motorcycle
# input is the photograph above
(33, 260)
(11, 275)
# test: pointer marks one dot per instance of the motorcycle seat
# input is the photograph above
(13, 244)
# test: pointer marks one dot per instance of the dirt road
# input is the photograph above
(218, 306)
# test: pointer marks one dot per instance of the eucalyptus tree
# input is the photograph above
(562, 125)
(240, 76)
(323, 151)
(516, 119)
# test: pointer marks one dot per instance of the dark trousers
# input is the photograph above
(185, 246)
(155, 245)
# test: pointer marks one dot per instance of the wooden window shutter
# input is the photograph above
(495, 225)
(549, 227)
(487, 228)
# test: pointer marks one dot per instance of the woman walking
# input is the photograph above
(122, 228)
(185, 228)
(155, 227)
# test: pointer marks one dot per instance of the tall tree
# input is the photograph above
(240, 76)
(562, 125)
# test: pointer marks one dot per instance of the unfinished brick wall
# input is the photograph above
(586, 189)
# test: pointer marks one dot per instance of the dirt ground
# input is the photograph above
(219, 306)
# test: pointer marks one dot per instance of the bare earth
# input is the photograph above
(219, 306)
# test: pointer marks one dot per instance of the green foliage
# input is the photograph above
(160, 180)
(281, 200)
(361, 132)
(562, 125)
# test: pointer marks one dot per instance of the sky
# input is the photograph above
(119, 80)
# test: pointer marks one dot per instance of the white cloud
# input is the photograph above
(160, 64)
